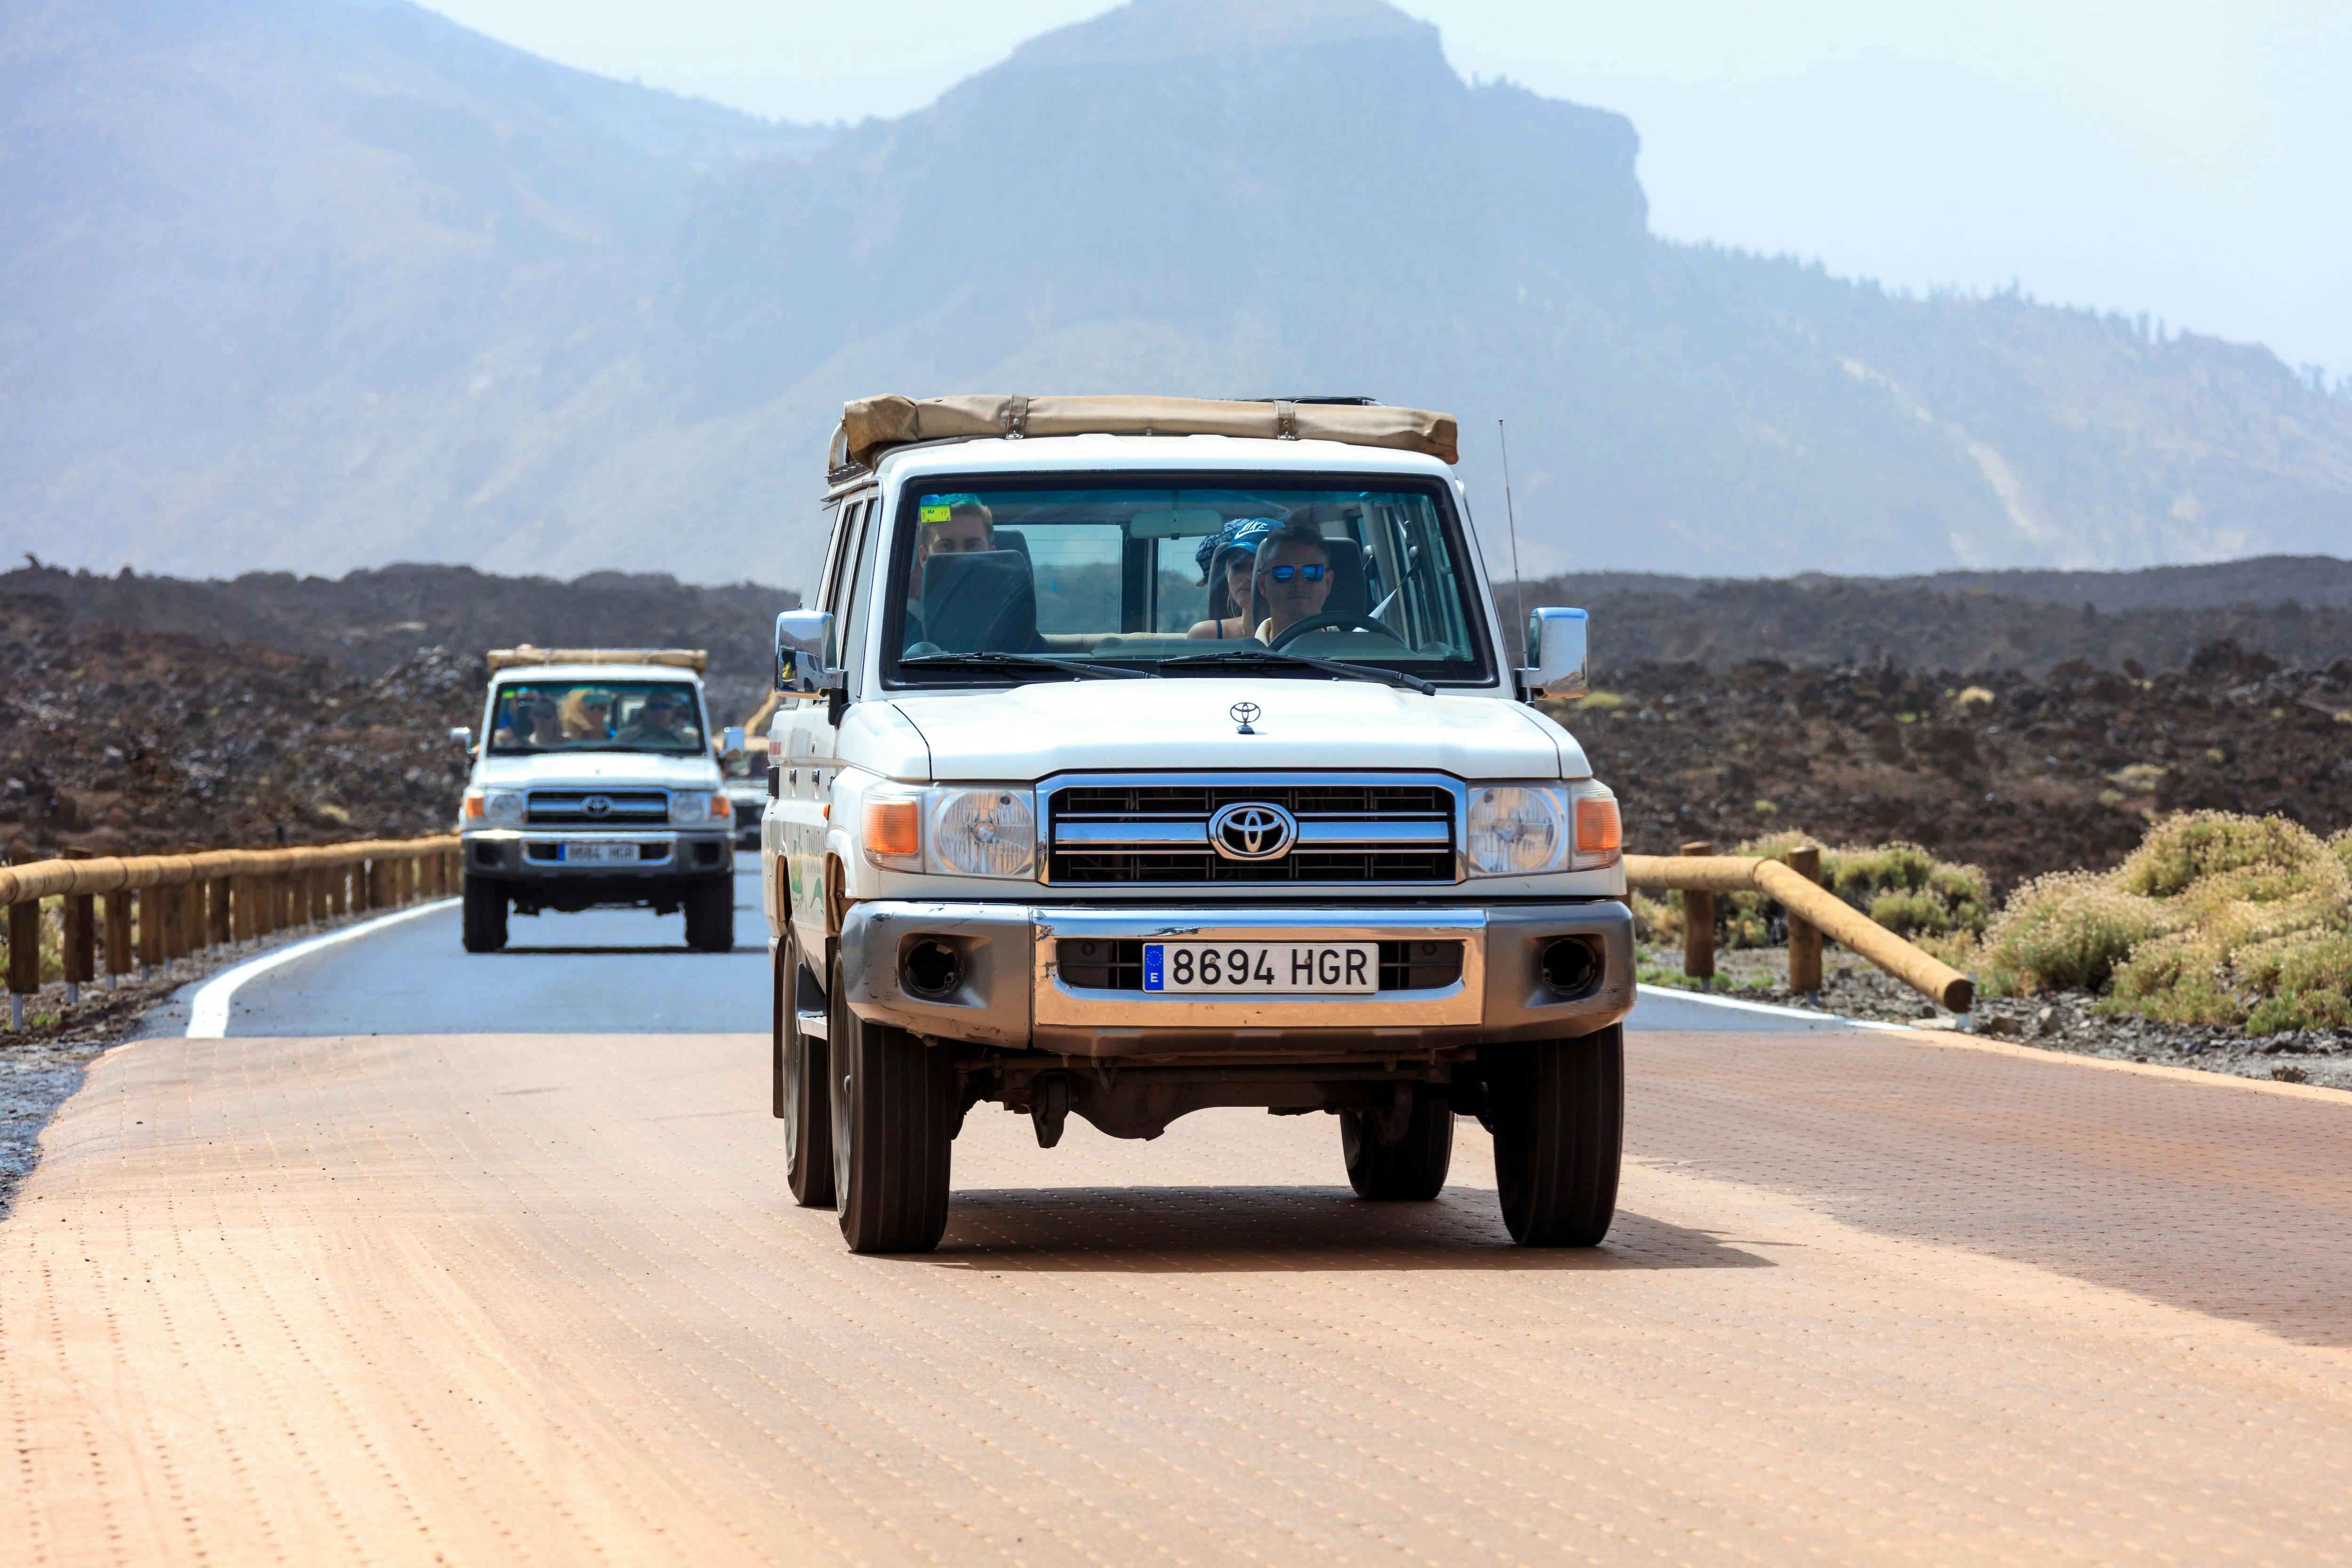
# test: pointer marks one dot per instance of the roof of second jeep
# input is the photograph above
(1162, 454)
(873, 427)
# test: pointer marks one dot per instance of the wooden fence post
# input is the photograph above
(24, 952)
(1698, 925)
(158, 924)
(118, 936)
(1804, 937)
(80, 937)
(220, 928)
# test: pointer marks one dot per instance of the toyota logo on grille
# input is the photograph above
(597, 805)
(1251, 832)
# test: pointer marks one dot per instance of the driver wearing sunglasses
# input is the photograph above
(1294, 578)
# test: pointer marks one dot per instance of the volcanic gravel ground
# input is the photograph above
(120, 741)
(2016, 774)
(1851, 988)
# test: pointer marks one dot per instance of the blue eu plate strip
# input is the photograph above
(1155, 966)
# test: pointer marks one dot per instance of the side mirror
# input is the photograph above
(806, 660)
(462, 738)
(730, 740)
(1555, 643)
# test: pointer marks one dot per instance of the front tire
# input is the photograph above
(482, 915)
(711, 915)
(1411, 1168)
(801, 1100)
(894, 1120)
(1559, 1116)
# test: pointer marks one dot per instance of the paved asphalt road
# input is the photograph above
(472, 1295)
(598, 972)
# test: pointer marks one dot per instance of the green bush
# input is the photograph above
(1901, 886)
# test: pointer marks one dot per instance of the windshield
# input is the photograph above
(1152, 577)
(594, 715)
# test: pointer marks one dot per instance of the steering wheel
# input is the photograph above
(1328, 623)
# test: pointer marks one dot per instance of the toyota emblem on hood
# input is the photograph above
(1250, 831)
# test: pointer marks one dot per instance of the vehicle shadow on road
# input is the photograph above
(671, 951)
(1318, 1229)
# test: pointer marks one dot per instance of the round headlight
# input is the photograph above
(984, 832)
(1515, 829)
(688, 805)
(503, 806)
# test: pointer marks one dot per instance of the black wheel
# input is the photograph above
(1414, 1167)
(711, 915)
(1559, 1116)
(893, 1117)
(799, 1085)
(482, 919)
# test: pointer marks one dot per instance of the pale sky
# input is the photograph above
(2193, 162)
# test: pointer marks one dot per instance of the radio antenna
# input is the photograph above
(1511, 516)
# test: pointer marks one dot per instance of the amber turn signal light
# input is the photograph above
(1597, 828)
(894, 827)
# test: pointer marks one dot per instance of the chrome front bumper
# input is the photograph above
(1011, 995)
(513, 853)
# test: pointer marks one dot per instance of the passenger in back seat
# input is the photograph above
(1229, 564)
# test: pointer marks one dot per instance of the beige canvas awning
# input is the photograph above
(872, 426)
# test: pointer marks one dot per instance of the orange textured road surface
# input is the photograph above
(542, 1300)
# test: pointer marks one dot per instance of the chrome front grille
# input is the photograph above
(1154, 830)
(574, 807)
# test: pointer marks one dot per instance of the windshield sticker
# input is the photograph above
(934, 511)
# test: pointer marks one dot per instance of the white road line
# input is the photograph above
(208, 1009)
(1837, 1019)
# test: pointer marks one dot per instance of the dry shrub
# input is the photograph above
(2306, 982)
(1659, 919)
(2261, 858)
(2068, 930)
(2214, 919)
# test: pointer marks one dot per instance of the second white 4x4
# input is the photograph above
(1132, 773)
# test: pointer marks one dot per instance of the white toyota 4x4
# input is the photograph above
(1152, 755)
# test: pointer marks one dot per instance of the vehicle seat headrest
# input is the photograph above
(1348, 594)
(981, 602)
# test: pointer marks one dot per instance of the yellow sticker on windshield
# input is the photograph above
(934, 514)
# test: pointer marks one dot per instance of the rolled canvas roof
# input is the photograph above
(693, 658)
(872, 426)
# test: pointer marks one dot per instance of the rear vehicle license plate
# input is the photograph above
(1262, 968)
(597, 854)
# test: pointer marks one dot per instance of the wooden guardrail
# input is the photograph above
(1814, 912)
(142, 912)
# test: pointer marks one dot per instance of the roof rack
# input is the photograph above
(871, 427)
(693, 658)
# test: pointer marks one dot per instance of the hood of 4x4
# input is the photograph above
(553, 769)
(1097, 726)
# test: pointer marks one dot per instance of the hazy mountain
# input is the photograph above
(280, 278)
(314, 284)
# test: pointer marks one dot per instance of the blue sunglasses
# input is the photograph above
(1284, 574)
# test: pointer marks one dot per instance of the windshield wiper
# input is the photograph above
(1263, 657)
(1021, 661)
